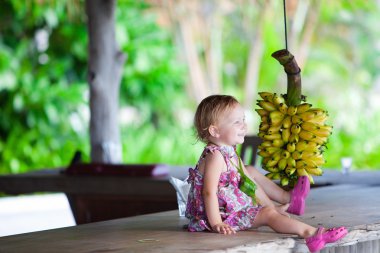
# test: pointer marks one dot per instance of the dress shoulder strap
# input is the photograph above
(227, 152)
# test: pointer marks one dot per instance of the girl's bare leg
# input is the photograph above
(282, 224)
(272, 190)
(267, 202)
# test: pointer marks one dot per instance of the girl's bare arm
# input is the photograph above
(213, 166)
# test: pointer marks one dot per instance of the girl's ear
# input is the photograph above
(213, 130)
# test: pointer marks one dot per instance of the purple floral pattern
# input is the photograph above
(236, 208)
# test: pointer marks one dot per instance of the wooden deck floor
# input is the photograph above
(355, 206)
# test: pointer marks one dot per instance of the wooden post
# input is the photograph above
(105, 65)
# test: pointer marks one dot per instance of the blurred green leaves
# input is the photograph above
(44, 94)
(42, 86)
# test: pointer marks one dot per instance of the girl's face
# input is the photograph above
(232, 127)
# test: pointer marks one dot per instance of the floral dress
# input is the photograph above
(235, 207)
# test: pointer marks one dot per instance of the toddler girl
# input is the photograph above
(216, 203)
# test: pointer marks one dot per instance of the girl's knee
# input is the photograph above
(267, 212)
(264, 216)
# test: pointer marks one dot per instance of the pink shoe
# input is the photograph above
(319, 240)
(298, 196)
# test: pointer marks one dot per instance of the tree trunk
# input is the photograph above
(310, 26)
(105, 66)
(198, 82)
(254, 59)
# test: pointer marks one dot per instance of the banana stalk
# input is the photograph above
(286, 59)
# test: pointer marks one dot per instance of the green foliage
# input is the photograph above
(167, 145)
(152, 70)
(342, 76)
(44, 95)
(42, 92)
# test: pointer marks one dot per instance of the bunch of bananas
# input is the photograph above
(294, 138)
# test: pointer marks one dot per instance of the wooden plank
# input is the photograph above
(54, 181)
(93, 198)
(354, 206)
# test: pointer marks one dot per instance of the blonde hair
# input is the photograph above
(208, 113)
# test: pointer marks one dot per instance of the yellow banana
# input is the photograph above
(319, 119)
(272, 150)
(294, 138)
(282, 164)
(263, 126)
(267, 96)
(309, 154)
(319, 160)
(329, 128)
(319, 140)
(292, 110)
(290, 170)
(314, 171)
(302, 172)
(265, 119)
(291, 147)
(297, 155)
(265, 160)
(285, 134)
(295, 129)
(322, 132)
(309, 126)
(301, 146)
(285, 154)
(291, 162)
(296, 119)
(262, 153)
(300, 164)
(270, 175)
(319, 111)
(276, 117)
(310, 163)
(301, 108)
(306, 135)
(272, 162)
(272, 137)
(283, 108)
(274, 129)
(262, 112)
(277, 143)
(277, 99)
(272, 169)
(287, 122)
(307, 116)
(311, 179)
(312, 147)
(276, 176)
(284, 181)
(265, 144)
(267, 105)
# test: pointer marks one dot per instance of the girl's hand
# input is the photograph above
(223, 228)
